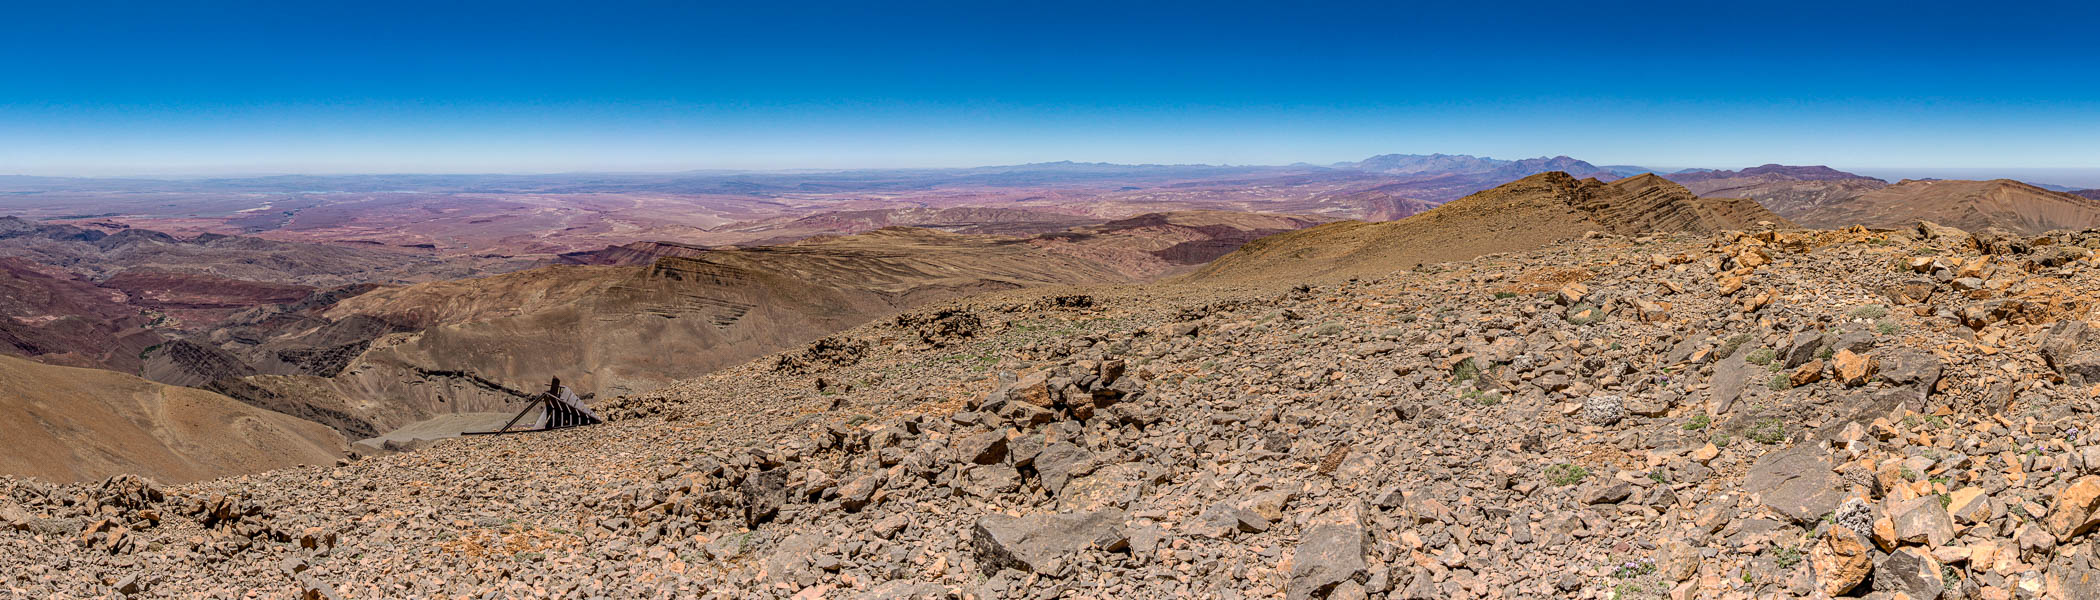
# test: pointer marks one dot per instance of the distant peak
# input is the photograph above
(1771, 171)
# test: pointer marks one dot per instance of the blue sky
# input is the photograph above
(226, 87)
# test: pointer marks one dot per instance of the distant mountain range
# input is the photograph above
(1463, 164)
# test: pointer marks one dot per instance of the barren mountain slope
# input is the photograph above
(72, 424)
(1973, 205)
(1786, 190)
(1789, 414)
(61, 320)
(1521, 215)
(478, 344)
(2093, 194)
(97, 255)
(1155, 245)
(87, 297)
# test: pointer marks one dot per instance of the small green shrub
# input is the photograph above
(1565, 474)
(1887, 327)
(1505, 295)
(1780, 382)
(1465, 370)
(1584, 314)
(1761, 356)
(1870, 311)
(1786, 557)
(1484, 398)
(1698, 422)
(1766, 431)
(1733, 343)
(1328, 329)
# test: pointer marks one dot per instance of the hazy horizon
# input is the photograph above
(2066, 177)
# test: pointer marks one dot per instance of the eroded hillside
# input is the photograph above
(1730, 415)
(1521, 215)
(73, 424)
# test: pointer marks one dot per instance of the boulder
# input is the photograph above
(1612, 492)
(764, 493)
(1909, 571)
(1042, 543)
(1331, 551)
(2071, 513)
(1805, 346)
(1032, 389)
(1731, 377)
(1604, 409)
(1841, 561)
(2065, 349)
(1058, 463)
(1922, 521)
(983, 449)
(857, 494)
(1113, 486)
(1853, 369)
(1796, 482)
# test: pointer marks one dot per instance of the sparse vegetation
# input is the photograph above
(1483, 398)
(1632, 569)
(1465, 370)
(1887, 327)
(1767, 430)
(1566, 474)
(1761, 356)
(1780, 382)
(1786, 556)
(1732, 344)
(1698, 422)
(1870, 311)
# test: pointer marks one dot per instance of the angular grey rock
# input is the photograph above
(1331, 552)
(1922, 521)
(1058, 463)
(1731, 376)
(1859, 342)
(1805, 346)
(856, 494)
(1042, 543)
(983, 448)
(1612, 492)
(2065, 349)
(764, 493)
(1909, 571)
(1910, 367)
(1223, 519)
(1796, 482)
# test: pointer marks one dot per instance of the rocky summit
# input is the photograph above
(1901, 413)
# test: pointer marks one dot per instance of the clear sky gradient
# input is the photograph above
(121, 88)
